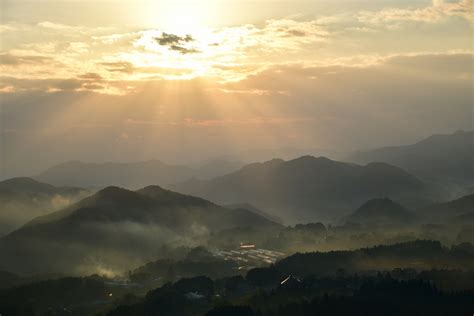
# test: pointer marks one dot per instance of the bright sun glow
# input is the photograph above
(179, 18)
(185, 18)
(188, 56)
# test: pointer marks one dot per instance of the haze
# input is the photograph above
(190, 81)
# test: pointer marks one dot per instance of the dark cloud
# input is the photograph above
(183, 50)
(167, 39)
(176, 43)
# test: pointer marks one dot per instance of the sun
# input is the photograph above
(182, 40)
(185, 18)
(179, 17)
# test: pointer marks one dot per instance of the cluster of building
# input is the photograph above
(249, 256)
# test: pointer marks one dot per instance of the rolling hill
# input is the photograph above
(115, 229)
(381, 212)
(307, 188)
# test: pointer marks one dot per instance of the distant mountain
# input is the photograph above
(452, 210)
(446, 158)
(216, 168)
(116, 229)
(22, 199)
(251, 208)
(380, 212)
(131, 175)
(307, 188)
(28, 187)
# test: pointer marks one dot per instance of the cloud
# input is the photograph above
(119, 66)
(257, 121)
(438, 11)
(84, 83)
(52, 50)
(7, 28)
(177, 43)
(55, 26)
(71, 29)
(395, 99)
(171, 39)
(257, 92)
(90, 76)
(434, 65)
(13, 60)
(183, 50)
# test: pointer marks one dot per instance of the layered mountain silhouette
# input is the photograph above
(216, 168)
(307, 188)
(131, 175)
(18, 188)
(117, 228)
(444, 158)
(381, 212)
(253, 209)
(455, 210)
(22, 199)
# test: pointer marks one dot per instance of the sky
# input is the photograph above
(188, 81)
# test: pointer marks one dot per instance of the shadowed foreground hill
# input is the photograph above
(333, 283)
(419, 255)
(307, 188)
(22, 199)
(116, 228)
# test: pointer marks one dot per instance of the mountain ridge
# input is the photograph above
(443, 158)
(132, 175)
(309, 185)
(23, 199)
(381, 211)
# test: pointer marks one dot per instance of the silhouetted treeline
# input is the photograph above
(66, 296)
(421, 255)
(198, 261)
(378, 295)
(303, 284)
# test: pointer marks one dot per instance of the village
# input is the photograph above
(249, 256)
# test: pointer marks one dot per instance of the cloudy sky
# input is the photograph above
(194, 80)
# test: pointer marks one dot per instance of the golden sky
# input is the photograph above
(192, 80)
